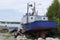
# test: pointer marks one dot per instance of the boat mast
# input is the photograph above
(27, 11)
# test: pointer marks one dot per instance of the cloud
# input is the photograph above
(22, 4)
(21, 7)
(16, 4)
(6, 4)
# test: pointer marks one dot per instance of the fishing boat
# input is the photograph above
(36, 26)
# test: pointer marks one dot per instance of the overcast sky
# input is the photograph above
(13, 10)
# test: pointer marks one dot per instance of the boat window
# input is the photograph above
(44, 18)
(31, 17)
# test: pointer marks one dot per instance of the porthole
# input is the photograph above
(31, 17)
(44, 18)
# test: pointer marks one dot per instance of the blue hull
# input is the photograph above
(40, 25)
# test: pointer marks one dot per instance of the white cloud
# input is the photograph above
(7, 4)
(21, 5)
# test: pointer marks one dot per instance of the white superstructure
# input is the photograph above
(31, 17)
(34, 18)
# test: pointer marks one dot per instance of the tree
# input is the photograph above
(53, 10)
(54, 13)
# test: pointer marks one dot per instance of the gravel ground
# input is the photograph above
(7, 36)
(49, 38)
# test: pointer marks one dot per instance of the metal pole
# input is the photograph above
(27, 11)
(34, 7)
